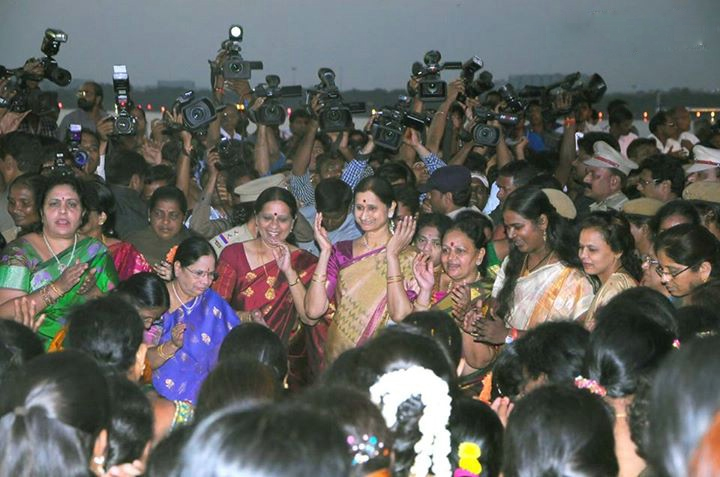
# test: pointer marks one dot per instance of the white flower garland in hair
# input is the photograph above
(433, 448)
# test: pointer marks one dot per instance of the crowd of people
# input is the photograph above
(305, 302)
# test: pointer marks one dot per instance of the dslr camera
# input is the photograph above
(74, 138)
(391, 123)
(234, 66)
(430, 85)
(232, 153)
(24, 99)
(272, 112)
(335, 115)
(125, 124)
(197, 113)
(474, 87)
(592, 91)
(481, 133)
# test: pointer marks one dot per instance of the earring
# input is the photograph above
(544, 235)
(391, 224)
(99, 461)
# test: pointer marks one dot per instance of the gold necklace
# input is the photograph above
(269, 280)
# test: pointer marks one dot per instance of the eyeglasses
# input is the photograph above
(650, 261)
(662, 272)
(645, 182)
(202, 274)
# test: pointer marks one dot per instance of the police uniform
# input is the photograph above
(606, 157)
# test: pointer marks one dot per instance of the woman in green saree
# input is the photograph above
(55, 268)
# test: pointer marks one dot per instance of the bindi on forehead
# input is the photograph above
(452, 244)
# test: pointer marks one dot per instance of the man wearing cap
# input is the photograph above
(705, 167)
(449, 190)
(607, 171)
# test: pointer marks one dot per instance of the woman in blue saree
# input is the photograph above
(191, 350)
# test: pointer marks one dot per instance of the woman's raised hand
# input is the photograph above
(423, 271)
(25, 313)
(71, 276)
(281, 254)
(321, 235)
(404, 232)
(178, 334)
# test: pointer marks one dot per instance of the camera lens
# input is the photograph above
(235, 67)
(197, 114)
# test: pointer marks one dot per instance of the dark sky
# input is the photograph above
(634, 44)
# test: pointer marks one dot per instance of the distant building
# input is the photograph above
(176, 84)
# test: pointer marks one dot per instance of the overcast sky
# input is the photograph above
(633, 44)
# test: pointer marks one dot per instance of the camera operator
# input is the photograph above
(89, 110)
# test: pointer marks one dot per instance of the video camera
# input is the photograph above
(24, 100)
(234, 66)
(592, 92)
(197, 113)
(272, 111)
(474, 87)
(125, 124)
(334, 115)
(391, 123)
(430, 85)
(74, 138)
(483, 134)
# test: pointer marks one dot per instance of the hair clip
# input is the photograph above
(676, 343)
(591, 385)
(469, 462)
(367, 448)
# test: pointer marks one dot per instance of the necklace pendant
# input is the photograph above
(62, 267)
(270, 281)
(270, 294)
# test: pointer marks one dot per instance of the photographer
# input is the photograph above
(89, 110)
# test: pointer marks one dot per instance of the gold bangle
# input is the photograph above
(396, 280)
(319, 280)
(394, 277)
(421, 305)
(55, 290)
(162, 354)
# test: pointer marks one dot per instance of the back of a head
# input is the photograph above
(332, 195)
(256, 342)
(624, 349)
(272, 441)
(55, 405)
(237, 381)
(131, 422)
(122, 165)
(163, 459)
(684, 401)
(368, 437)
(559, 430)
(18, 345)
(520, 171)
(587, 142)
(109, 330)
(695, 321)
(25, 148)
(643, 302)
(440, 326)
(473, 421)
(145, 290)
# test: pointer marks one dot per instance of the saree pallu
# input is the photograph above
(128, 260)
(22, 268)
(209, 319)
(263, 288)
(359, 286)
(552, 292)
(617, 283)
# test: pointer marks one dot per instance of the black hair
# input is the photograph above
(545, 181)
(56, 405)
(191, 249)
(666, 168)
(615, 231)
(642, 301)
(657, 120)
(237, 380)
(619, 114)
(441, 222)
(695, 321)
(122, 165)
(257, 342)
(558, 430)
(273, 194)
(441, 327)
(160, 172)
(707, 296)
(709, 213)
(299, 113)
(679, 207)
(333, 195)
(531, 203)
(18, 345)
(79, 186)
(409, 196)
(475, 231)
(476, 162)
(145, 290)
(360, 420)
(272, 441)
(626, 346)
(109, 330)
(587, 142)
(393, 171)
(638, 143)
(690, 245)
(163, 459)
(683, 405)
(508, 378)
(25, 148)
(131, 422)
(168, 193)
(520, 171)
(35, 182)
(101, 199)
(346, 370)
(379, 186)
(473, 421)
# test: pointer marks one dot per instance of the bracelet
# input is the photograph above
(55, 290)
(162, 354)
(421, 305)
(395, 280)
(45, 294)
(394, 277)
(297, 279)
